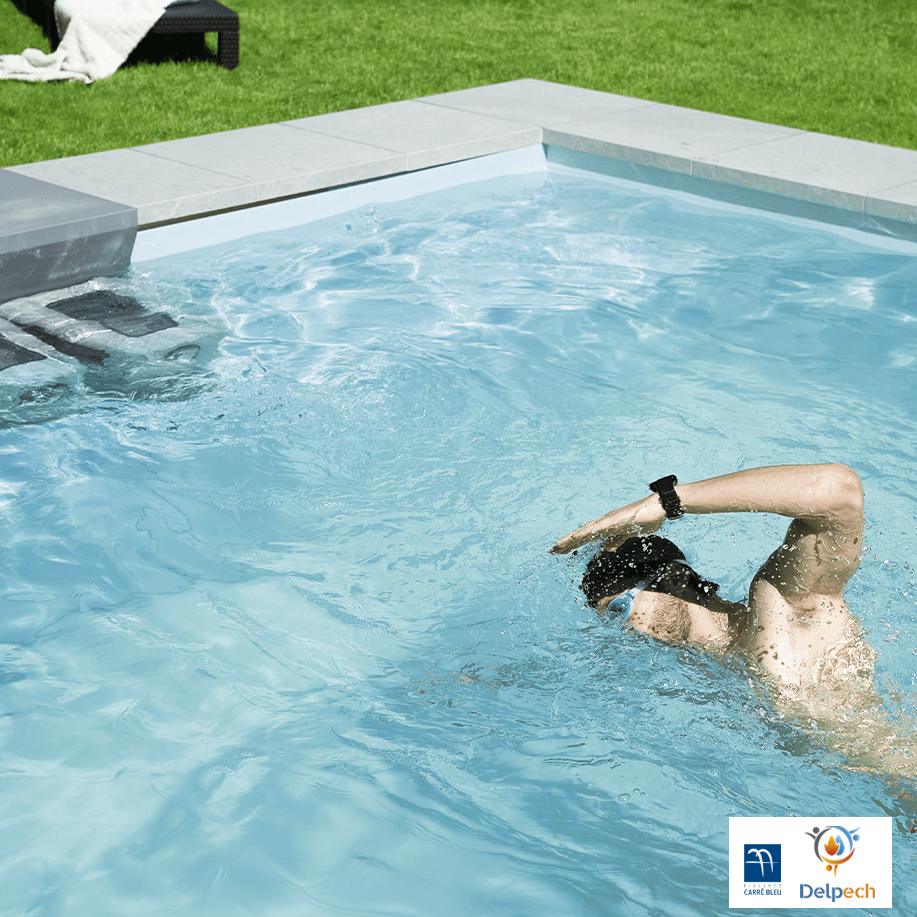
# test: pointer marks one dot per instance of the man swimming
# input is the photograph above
(795, 623)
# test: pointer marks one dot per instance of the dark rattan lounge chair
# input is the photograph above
(199, 18)
(194, 18)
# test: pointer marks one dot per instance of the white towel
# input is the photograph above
(96, 38)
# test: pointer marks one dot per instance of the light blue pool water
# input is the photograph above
(287, 639)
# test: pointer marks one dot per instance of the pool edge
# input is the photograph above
(867, 185)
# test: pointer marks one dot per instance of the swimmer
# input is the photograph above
(795, 622)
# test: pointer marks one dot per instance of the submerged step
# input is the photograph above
(103, 327)
(100, 337)
(33, 376)
(12, 354)
(123, 314)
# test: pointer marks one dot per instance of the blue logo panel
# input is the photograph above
(762, 862)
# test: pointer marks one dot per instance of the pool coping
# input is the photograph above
(180, 180)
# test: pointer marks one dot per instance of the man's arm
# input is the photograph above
(822, 546)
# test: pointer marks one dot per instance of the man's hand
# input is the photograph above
(641, 518)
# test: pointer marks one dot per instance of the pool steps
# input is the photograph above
(60, 346)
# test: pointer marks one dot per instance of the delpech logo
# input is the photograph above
(834, 845)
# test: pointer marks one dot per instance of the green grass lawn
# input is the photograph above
(846, 67)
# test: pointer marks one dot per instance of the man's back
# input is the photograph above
(823, 647)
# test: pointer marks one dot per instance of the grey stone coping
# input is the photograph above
(52, 236)
(853, 174)
(184, 179)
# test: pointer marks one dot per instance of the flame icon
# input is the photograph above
(837, 849)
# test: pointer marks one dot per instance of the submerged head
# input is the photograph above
(649, 563)
(667, 599)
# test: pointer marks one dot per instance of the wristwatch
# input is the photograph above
(665, 487)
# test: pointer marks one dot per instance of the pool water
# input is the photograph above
(291, 642)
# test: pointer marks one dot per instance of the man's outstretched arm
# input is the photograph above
(825, 502)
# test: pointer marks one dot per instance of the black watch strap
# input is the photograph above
(665, 487)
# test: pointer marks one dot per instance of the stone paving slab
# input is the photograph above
(280, 158)
(148, 184)
(833, 170)
(680, 135)
(181, 179)
(49, 233)
(864, 177)
(185, 178)
(428, 135)
(539, 102)
(899, 203)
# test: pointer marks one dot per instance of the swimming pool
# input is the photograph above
(291, 642)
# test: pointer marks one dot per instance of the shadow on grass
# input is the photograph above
(161, 49)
